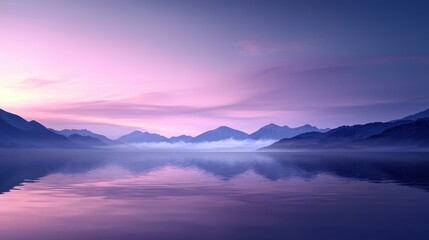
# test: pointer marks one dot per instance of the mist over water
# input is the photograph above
(229, 145)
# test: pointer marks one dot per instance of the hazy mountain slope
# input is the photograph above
(86, 141)
(276, 132)
(17, 132)
(181, 138)
(8, 131)
(85, 132)
(360, 131)
(414, 134)
(422, 114)
(342, 137)
(16, 121)
(141, 137)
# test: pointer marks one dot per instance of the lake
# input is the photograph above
(47, 194)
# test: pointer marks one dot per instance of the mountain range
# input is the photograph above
(142, 137)
(85, 133)
(17, 132)
(273, 131)
(268, 132)
(410, 131)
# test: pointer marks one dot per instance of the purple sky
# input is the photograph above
(183, 67)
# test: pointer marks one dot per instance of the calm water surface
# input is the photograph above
(116, 195)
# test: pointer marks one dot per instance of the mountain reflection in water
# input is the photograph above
(131, 195)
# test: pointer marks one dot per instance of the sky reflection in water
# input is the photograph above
(117, 195)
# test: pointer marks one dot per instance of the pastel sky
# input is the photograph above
(184, 67)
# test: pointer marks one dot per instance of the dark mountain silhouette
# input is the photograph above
(361, 131)
(181, 138)
(86, 140)
(412, 134)
(408, 132)
(219, 134)
(141, 137)
(342, 137)
(276, 132)
(17, 132)
(18, 122)
(85, 132)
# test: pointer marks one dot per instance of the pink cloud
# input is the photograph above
(257, 48)
(165, 119)
(36, 83)
(250, 48)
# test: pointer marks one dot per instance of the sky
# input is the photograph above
(184, 67)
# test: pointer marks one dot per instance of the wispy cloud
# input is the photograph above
(258, 48)
(293, 93)
(133, 110)
(165, 119)
(31, 83)
(250, 48)
(352, 85)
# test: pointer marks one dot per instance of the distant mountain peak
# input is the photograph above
(271, 125)
(75, 129)
(138, 136)
(137, 132)
(275, 132)
(181, 138)
(219, 134)
(183, 135)
(224, 128)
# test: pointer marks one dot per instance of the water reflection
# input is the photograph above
(411, 169)
(118, 195)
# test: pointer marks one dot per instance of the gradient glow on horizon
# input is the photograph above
(184, 67)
